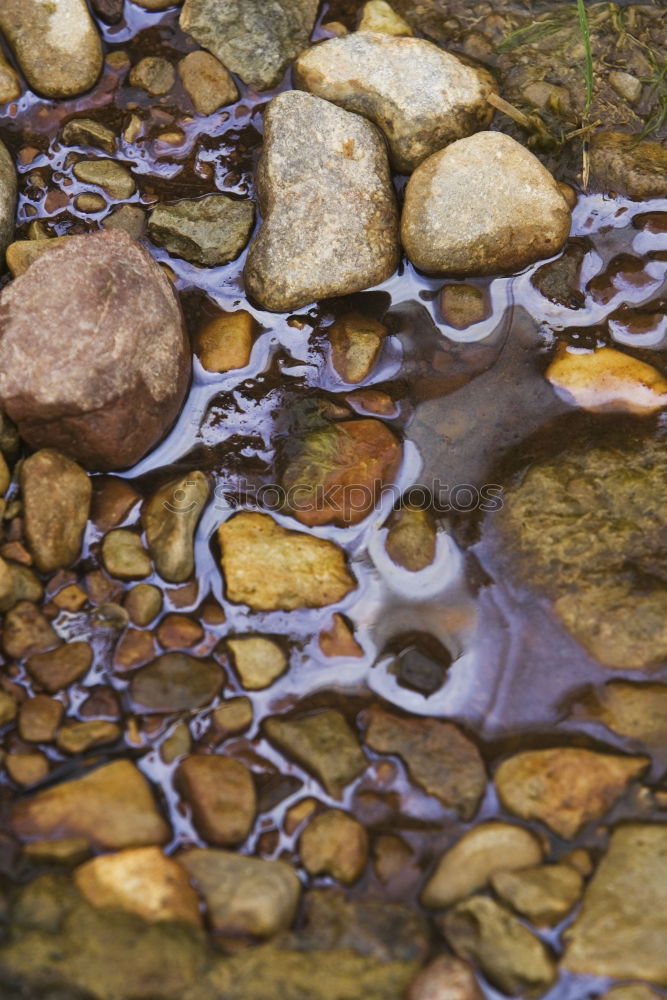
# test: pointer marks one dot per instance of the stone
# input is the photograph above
(175, 682)
(221, 794)
(113, 502)
(58, 668)
(225, 343)
(178, 632)
(336, 844)
(70, 851)
(626, 85)
(513, 959)
(377, 15)
(143, 603)
(207, 231)
(8, 194)
(177, 744)
(153, 74)
(606, 380)
(484, 205)
(27, 768)
(56, 504)
(330, 222)
(271, 568)
(421, 97)
(141, 880)
(89, 203)
(111, 807)
(81, 301)
(421, 670)
(10, 85)
(56, 44)
(634, 991)
(8, 708)
(356, 341)
(258, 661)
(20, 584)
(339, 640)
(411, 538)
(115, 179)
(565, 787)
(626, 164)
(208, 83)
(124, 556)
(439, 758)
(131, 219)
(244, 895)
(39, 717)
(256, 39)
(463, 305)
(323, 744)
(621, 926)
(21, 254)
(77, 737)
(635, 711)
(87, 132)
(133, 649)
(543, 895)
(26, 631)
(445, 978)
(170, 518)
(481, 852)
(233, 715)
(336, 475)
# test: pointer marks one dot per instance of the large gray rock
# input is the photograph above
(55, 43)
(255, 38)
(94, 359)
(330, 219)
(7, 199)
(421, 97)
(484, 205)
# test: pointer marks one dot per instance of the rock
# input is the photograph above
(377, 15)
(154, 75)
(543, 895)
(133, 649)
(270, 568)
(17, 583)
(27, 768)
(77, 737)
(625, 164)
(323, 743)
(335, 844)
(21, 254)
(356, 341)
(607, 380)
(258, 661)
(221, 794)
(8, 708)
(336, 475)
(56, 504)
(177, 744)
(170, 518)
(112, 807)
(421, 97)
(175, 682)
(89, 204)
(143, 603)
(420, 670)
(87, 132)
(81, 301)
(559, 280)
(10, 85)
(244, 895)
(635, 991)
(7, 197)
(39, 717)
(636, 711)
(141, 880)
(56, 44)
(233, 716)
(445, 978)
(60, 667)
(463, 305)
(130, 218)
(621, 927)
(115, 179)
(226, 342)
(207, 231)
(339, 640)
(178, 632)
(481, 852)
(564, 787)
(208, 84)
(330, 223)
(484, 205)
(626, 85)
(511, 958)
(439, 758)
(255, 39)
(27, 631)
(68, 852)
(411, 539)
(124, 556)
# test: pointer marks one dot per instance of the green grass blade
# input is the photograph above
(588, 63)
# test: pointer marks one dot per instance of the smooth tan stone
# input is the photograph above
(607, 380)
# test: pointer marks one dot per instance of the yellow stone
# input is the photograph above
(377, 15)
(607, 380)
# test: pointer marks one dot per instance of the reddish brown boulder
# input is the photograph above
(94, 358)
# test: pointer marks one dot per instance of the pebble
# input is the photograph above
(484, 205)
(207, 231)
(56, 44)
(115, 179)
(233, 716)
(178, 632)
(56, 504)
(330, 221)
(377, 15)
(87, 132)
(411, 539)
(632, 991)
(335, 844)
(271, 568)
(177, 744)
(624, 164)
(255, 39)
(356, 342)
(8, 193)
(8, 708)
(463, 305)
(21, 254)
(221, 794)
(143, 603)
(77, 737)
(153, 74)
(445, 978)
(130, 218)
(170, 518)
(10, 84)
(81, 301)
(225, 343)
(421, 97)
(244, 895)
(543, 895)
(26, 631)
(626, 85)
(27, 768)
(258, 661)
(606, 380)
(124, 556)
(208, 83)
(339, 639)
(58, 668)
(635, 711)
(175, 682)
(39, 718)
(89, 203)
(471, 862)
(133, 649)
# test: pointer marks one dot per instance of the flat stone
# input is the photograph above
(87, 132)
(207, 231)
(208, 83)
(544, 895)
(170, 518)
(336, 844)
(175, 682)
(111, 807)
(258, 661)
(635, 711)
(606, 380)
(225, 343)
(8, 191)
(621, 928)
(115, 179)
(565, 787)
(625, 164)
(330, 222)
(80, 302)
(244, 895)
(377, 15)
(481, 852)
(421, 97)
(271, 568)
(356, 341)
(411, 539)
(221, 794)
(255, 39)
(39, 717)
(77, 737)
(26, 631)
(153, 74)
(56, 44)
(323, 743)
(124, 556)
(445, 978)
(56, 504)
(439, 758)
(484, 205)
